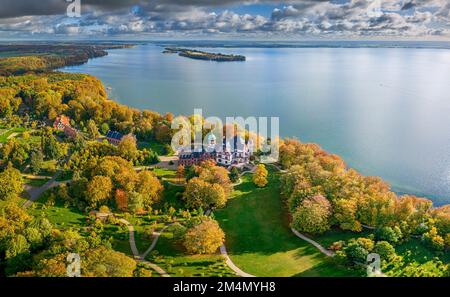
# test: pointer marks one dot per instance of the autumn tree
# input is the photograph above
(11, 183)
(121, 198)
(149, 186)
(204, 238)
(209, 172)
(313, 216)
(200, 193)
(92, 130)
(128, 147)
(345, 214)
(260, 176)
(99, 190)
(104, 262)
(180, 172)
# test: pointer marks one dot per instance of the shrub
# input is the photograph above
(433, 240)
(177, 230)
(392, 235)
(385, 250)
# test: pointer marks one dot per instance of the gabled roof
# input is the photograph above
(114, 135)
(63, 120)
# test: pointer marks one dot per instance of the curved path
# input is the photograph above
(35, 193)
(155, 240)
(314, 243)
(135, 251)
(223, 251)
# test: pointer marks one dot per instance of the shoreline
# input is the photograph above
(397, 189)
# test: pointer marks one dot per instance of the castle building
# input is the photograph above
(61, 122)
(237, 153)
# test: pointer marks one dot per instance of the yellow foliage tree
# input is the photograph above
(260, 176)
(204, 238)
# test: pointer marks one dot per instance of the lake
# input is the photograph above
(385, 111)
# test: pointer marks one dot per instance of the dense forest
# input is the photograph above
(19, 59)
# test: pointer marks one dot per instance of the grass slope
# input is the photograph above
(259, 240)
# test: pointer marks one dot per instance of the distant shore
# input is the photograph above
(200, 55)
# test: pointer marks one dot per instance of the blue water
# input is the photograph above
(386, 111)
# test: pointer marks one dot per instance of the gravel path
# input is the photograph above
(135, 251)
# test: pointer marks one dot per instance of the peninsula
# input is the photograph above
(200, 55)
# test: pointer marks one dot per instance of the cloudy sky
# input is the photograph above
(393, 19)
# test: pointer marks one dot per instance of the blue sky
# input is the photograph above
(290, 19)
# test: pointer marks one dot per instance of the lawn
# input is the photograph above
(419, 252)
(58, 214)
(259, 240)
(169, 255)
(171, 197)
(154, 146)
(5, 133)
(333, 235)
(36, 182)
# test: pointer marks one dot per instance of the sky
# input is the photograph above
(246, 19)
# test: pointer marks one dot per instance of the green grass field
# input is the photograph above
(36, 182)
(154, 146)
(171, 257)
(334, 235)
(60, 216)
(259, 240)
(5, 133)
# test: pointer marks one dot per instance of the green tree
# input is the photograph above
(52, 149)
(385, 250)
(389, 234)
(16, 246)
(104, 128)
(36, 161)
(92, 130)
(135, 201)
(234, 174)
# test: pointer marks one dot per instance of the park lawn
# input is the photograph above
(258, 237)
(120, 238)
(164, 173)
(328, 238)
(170, 255)
(59, 215)
(171, 197)
(157, 147)
(419, 252)
(8, 132)
(36, 182)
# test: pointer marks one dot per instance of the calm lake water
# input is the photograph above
(386, 111)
